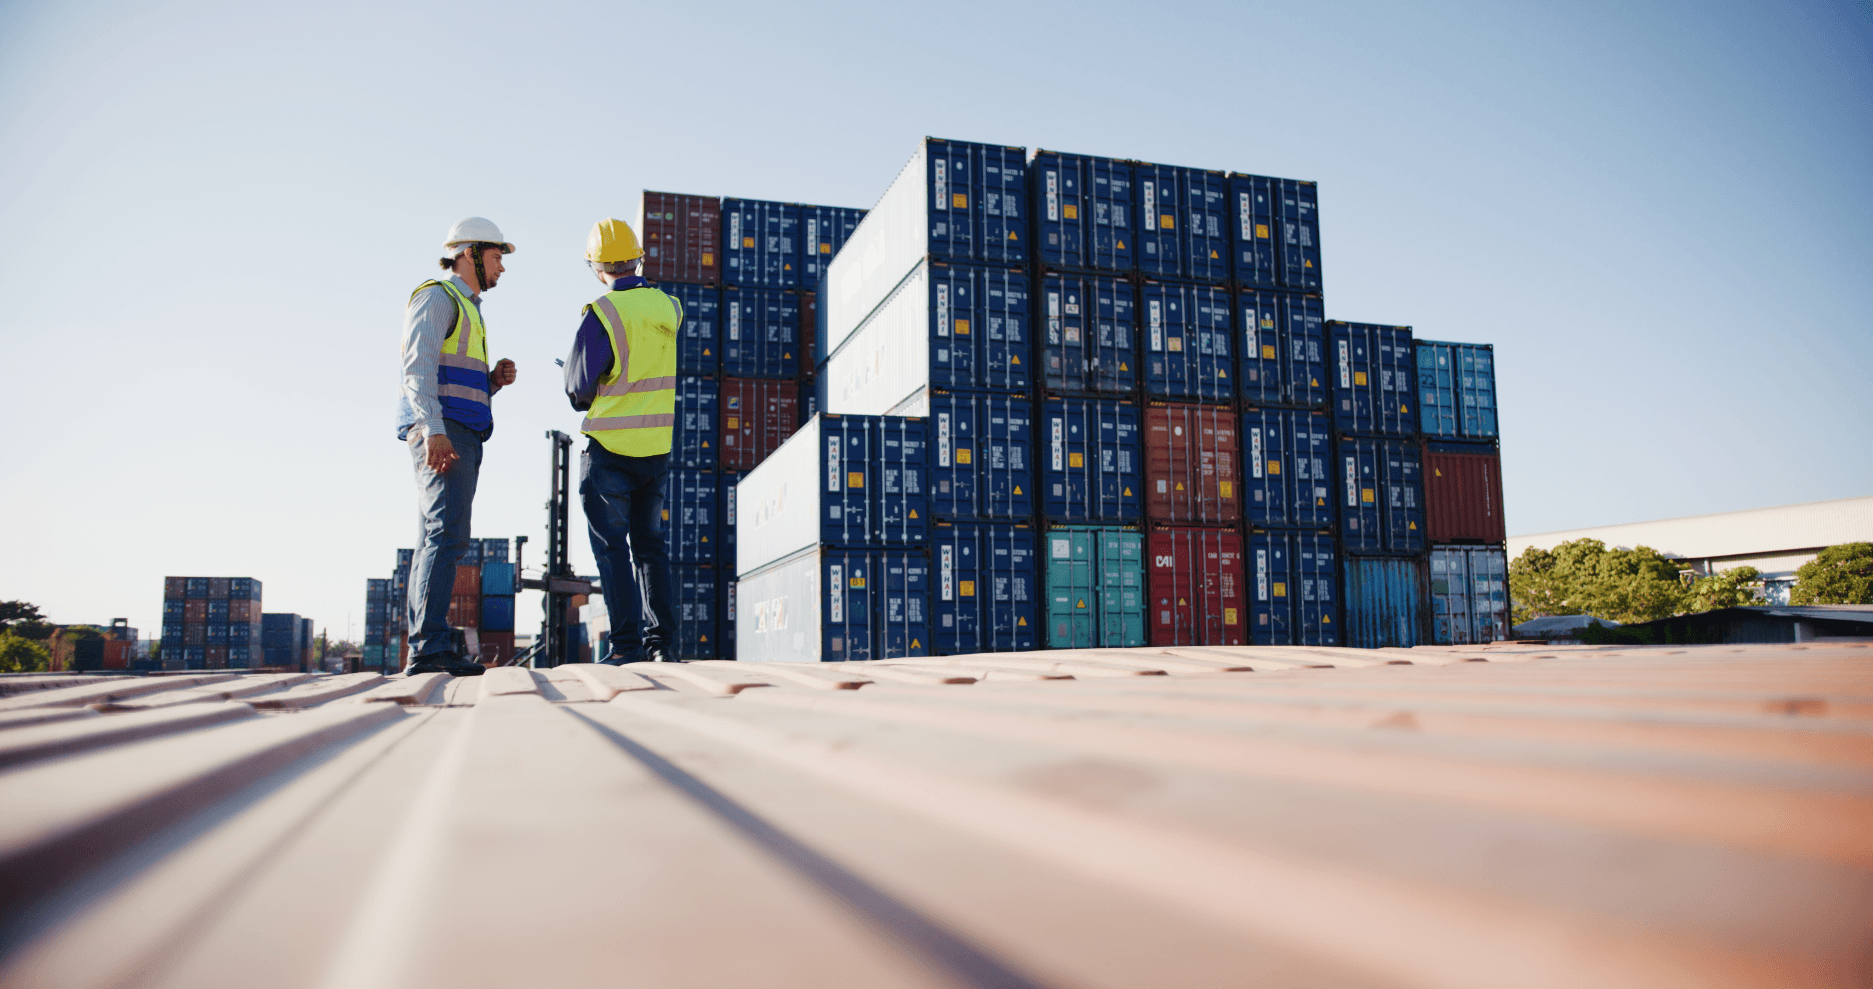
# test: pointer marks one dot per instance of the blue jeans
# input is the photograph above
(623, 502)
(444, 503)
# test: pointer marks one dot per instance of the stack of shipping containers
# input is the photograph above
(928, 321)
(500, 582)
(1289, 501)
(1378, 460)
(286, 641)
(211, 623)
(383, 623)
(744, 271)
(1468, 562)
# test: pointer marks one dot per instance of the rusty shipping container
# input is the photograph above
(758, 415)
(1463, 493)
(682, 237)
(464, 611)
(467, 580)
(1192, 471)
(1196, 584)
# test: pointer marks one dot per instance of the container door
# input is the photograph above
(1072, 602)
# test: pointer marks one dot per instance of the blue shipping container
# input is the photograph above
(1293, 588)
(1299, 208)
(1384, 602)
(948, 326)
(498, 578)
(826, 604)
(195, 587)
(1186, 332)
(1089, 340)
(981, 447)
(1283, 347)
(217, 634)
(1092, 466)
(1381, 496)
(698, 422)
(1457, 389)
(986, 588)
(173, 609)
(1183, 221)
(243, 589)
(698, 611)
(760, 244)
(1082, 208)
(1469, 594)
(761, 334)
(841, 480)
(692, 515)
(195, 657)
(699, 338)
(823, 231)
(242, 657)
(1253, 230)
(1375, 379)
(497, 613)
(172, 631)
(1288, 465)
(217, 611)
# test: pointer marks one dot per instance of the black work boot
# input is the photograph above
(445, 662)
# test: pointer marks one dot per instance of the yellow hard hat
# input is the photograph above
(612, 241)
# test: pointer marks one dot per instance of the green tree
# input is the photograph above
(1840, 575)
(24, 620)
(22, 655)
(1729, 589)
(1583, 577)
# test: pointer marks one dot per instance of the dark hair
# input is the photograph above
(448, 264)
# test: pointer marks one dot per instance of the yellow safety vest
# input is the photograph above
(462, 375)
(635, 408)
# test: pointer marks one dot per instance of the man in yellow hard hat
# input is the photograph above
(444, 417)
(622, 374)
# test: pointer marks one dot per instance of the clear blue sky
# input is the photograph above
(1660, 214)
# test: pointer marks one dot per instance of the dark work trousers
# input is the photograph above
(623, 501)
(444, 503)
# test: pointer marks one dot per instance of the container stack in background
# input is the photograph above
(926, 319)
(286, 641)
(500, 582)
(211, 623)
(744, 271)
(383, 624)
(1467, 564)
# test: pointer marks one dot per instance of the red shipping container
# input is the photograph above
(175, 587)
(465, 611)
(1191, 464)
(497, 647)
(194, 634)
(757, 417)
(118, 654)
(195, 611)
(467, 581)
(1463, 493)
(217, 657)
(1196, 587)
(217, 588)
(243, 610)
(682, 237)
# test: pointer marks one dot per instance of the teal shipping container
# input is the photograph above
(1095, 586)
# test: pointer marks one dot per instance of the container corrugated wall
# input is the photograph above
(827, 604)
(1384, 601)
(1463, 493)
(757, 417)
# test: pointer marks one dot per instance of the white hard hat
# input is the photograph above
(474, 230)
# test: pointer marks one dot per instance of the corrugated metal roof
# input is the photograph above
(1456, 816)
(1756, 531)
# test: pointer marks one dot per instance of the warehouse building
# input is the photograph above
(1776, 541)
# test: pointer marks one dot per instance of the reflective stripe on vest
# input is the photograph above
(635, 409)
(462, 385)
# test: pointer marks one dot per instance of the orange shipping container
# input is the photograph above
(1191, 464)
(467, 581)
(465, 611)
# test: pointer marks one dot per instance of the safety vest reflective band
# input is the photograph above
(635, 408)
(462, 374)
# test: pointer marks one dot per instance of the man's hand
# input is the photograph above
(503, 373)
(442, 455)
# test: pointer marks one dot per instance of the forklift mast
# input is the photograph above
(558, 580)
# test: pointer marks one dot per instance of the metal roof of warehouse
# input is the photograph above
(1481, 817)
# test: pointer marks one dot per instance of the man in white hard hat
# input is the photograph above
(444, 417)
(622, 374)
